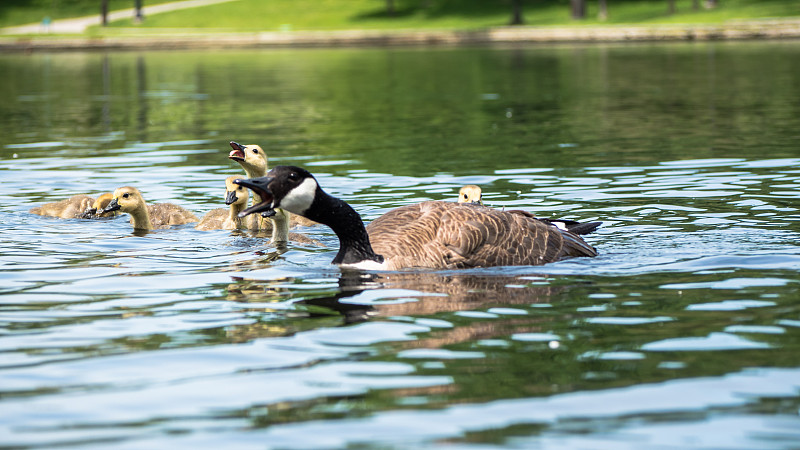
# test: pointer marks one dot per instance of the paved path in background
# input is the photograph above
(80, 24)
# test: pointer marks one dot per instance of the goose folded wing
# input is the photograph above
(497, 238)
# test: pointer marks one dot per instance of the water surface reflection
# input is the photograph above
(683, 331)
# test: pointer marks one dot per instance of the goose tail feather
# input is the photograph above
(575, 246)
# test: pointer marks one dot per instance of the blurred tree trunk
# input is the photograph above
(711, 4)
(104, 12)
(390, 7)
(602, 12)
(139, 17)
(671, 6)
(578, 8)
(516, 14)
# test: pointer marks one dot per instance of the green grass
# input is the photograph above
(252, 15)
(272, 15)
(23, 12)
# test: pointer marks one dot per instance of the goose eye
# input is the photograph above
(126, 195)
(293, 176)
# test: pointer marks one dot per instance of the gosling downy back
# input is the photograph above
(71, 208)
(147, 217)
(434, 234)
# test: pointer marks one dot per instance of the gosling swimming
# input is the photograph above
(79, 206)
(253, 160)
(96, 211)
(228, 218)
(148, 217)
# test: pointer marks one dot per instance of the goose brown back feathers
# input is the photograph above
(447, 235)
(473, 194)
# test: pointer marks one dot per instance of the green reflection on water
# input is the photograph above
(418, 111)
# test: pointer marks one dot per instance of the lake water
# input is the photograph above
(683, 332)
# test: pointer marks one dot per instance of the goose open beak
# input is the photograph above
(112, 206)
(259, 186)
(230, 197)
(237, 154)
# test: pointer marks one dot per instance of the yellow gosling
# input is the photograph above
(470, 194)
(101, 203)
(253, 160)
(96, 210)
(71, 208)
(129, 200)
(228, 219)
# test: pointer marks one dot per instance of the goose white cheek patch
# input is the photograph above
(299, 199)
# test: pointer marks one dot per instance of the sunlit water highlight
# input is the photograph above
(682, 332)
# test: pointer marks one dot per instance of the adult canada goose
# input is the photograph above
(228, 218)
(147, 217)
(253, 160)
(433, 234)
(473, 194)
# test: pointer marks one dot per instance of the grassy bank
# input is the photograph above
(274, 15)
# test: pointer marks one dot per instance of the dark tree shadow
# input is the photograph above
(382, 13)
(435, 9)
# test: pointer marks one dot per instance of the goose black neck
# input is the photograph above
(354, 245)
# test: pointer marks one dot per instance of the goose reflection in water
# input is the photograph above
(362, 296)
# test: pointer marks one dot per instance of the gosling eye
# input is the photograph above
(255, 151)
(466, 196)
(126, 195)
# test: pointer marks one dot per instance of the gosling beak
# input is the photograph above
(230, 197)
(112, 206)
(476, 202)
(259, 186)
(237, 154)
(89, 213)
